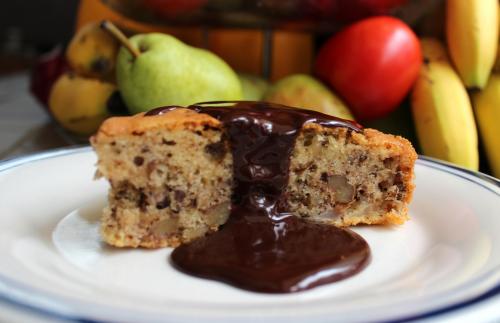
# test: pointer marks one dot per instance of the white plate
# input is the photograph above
(52, 261)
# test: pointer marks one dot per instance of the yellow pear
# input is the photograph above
(304, 91)
(80, 104)
(92, 52)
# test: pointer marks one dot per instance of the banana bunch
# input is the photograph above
(487, 110)
(445, 117)
(79, 98)
(442, 110)
(472, 36)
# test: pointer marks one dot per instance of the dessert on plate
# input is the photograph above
(172, 179)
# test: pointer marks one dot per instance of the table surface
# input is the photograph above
(26, 128)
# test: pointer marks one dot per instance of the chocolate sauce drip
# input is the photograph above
(262, 247)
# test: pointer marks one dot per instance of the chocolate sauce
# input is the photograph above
(262, 247)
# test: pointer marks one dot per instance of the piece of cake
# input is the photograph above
(171, 177)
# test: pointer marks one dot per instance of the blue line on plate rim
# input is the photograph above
(472, 176)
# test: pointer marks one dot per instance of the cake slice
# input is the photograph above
(171, 177)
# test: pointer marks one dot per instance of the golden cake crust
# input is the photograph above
(179, 118)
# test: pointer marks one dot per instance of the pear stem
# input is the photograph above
(120, 36)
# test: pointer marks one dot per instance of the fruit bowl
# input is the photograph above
(304, 15)
(276, 65)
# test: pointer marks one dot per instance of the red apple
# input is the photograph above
(172, 8)
(372, 64)
(45, 72)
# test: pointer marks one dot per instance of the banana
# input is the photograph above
(92, 52)
(442, 111)
(472, 35)
(496, 67)
(487, 109)
(80, 104)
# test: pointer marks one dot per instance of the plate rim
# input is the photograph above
(486, 181)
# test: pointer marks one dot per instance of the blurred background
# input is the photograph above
(407, 67)
(28, 29)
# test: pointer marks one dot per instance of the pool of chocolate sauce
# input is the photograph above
(262, 247)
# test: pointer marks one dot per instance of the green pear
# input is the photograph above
(253, 86)
(304, 91)
(165, 71)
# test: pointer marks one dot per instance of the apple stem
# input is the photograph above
(120, 36)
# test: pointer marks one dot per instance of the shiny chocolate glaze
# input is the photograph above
(262, 247)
